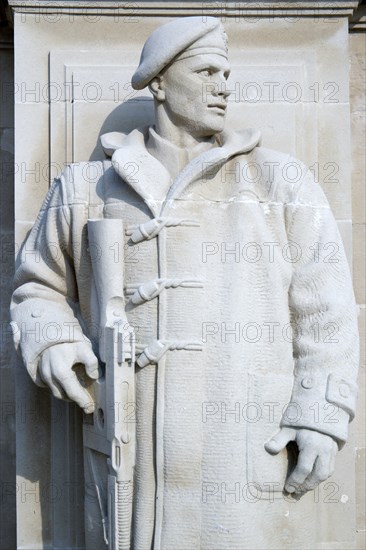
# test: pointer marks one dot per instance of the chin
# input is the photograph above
(210, 129)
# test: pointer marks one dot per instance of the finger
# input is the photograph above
(280, 440)
(304, 467)
(45, 373)
(38, 379)
(71, 385)
(320, 473)
(86, 356)
(77, 393)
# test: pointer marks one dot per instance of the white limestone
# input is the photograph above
(194, 457)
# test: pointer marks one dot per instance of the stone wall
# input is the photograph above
(358, 127)
(67, 418)
(7, 388)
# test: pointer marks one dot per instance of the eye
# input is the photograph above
(205, 72)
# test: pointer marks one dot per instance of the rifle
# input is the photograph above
(112, 430)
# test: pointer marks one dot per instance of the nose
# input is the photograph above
(223, 92)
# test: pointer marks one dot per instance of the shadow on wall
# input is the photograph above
(129, 115)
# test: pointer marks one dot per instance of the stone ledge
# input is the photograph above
(358, 20)
(191, 7)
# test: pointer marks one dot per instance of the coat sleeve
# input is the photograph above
(324, 318)
(44, 306)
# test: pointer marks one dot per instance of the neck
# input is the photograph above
(177, 135)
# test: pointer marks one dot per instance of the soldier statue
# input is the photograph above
(199, 309)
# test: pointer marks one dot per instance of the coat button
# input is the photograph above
(344, 390)
(36, 313)
(307, 383)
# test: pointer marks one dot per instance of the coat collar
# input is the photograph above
(149, 177)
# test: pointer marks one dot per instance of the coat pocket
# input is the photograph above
(268, 395)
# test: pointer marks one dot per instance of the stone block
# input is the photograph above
(329, 58)
(361, 540)
(7, 462)
(7, 186)
(345, 229)
(357, 73)
(362, 328)
(31, 160)
(7, 88)
(360, 489)
(358, 130)
(358, 122)
(334, 157)
(33, 463)
(359, 261)
(360, 419)
(6, 285)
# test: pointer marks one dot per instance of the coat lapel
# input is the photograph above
(233, 144)
(150, 179)
(131, 160)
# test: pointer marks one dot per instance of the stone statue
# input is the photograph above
(232, 371)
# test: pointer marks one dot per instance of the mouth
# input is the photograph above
(218, 107)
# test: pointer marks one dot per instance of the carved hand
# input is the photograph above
(56, 370)
(316, 460)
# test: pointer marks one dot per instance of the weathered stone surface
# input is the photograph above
(314, 130)
(7, 451)
(359, 231)
(7, 387)
(358, 125)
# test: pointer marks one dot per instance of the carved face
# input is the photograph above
(195, 96)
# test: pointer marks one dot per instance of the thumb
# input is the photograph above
(280, 440)
(87, 357)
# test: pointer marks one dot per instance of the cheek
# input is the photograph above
(193, 91)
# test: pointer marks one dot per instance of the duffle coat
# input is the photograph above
(245, 321)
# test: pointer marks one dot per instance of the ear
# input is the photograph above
(157, 88)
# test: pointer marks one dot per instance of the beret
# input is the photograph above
(168, 41)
